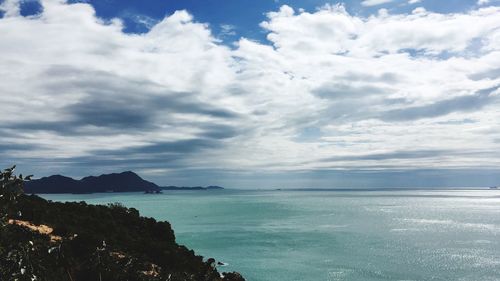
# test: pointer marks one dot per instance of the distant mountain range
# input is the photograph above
(116, 182)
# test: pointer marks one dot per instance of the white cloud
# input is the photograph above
(414, 1)
(369, 3)
(483, 2)
(330, 84)
(227, 30)
(143, 20)
(11, 8)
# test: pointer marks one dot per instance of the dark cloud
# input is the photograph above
(396, 101)
(179, 146)
(415, 154)
(339, 91)
(162, 154)
(353, 101)
(154, 155)
(215, 131)
(346, 111)
(115, 113)
(465, 103)
(353, 105)
(105, 104)
(4, 147)
(106, 91)
(63, 127)
(458, 122)
(259, 112)
(489, 74)
(386, 77)
(114, 103)
(119, 163)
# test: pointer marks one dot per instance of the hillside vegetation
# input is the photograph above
(43, 240)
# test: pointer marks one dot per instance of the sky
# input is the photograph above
(254, 94)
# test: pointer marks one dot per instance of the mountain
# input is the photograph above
(172, 187)
(116, 182)
(122, 182)
(54, 184)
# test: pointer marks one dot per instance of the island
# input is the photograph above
(116, 182)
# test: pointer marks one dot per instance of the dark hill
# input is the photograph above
(54, 184)
(122, 182)
(116, 182)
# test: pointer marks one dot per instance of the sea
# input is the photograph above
(284, 235)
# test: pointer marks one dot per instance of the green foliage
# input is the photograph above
(89, 242)
(19, 247)
(10, 183)
(24, 255)
(11, 187)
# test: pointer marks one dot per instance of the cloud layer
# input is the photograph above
(328, 91)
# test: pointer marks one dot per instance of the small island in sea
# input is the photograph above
(116, 182)
(44, 240)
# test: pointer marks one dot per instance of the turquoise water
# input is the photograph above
(332, 235)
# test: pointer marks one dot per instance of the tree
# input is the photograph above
(11, 187)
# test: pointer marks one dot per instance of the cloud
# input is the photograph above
(483, 2)
(338, 91)
(475, 102)
(390, 155)
(10, 8)
(78, 91)
(5, 147)
(369, 3)
(423, 32)
(227, 30)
